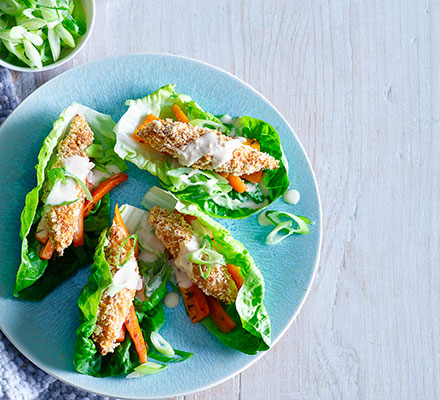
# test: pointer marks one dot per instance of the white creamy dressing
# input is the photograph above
(146, 256)
(151, 289)
(182, 261)
(96, 176)
(65, 192)
(78, 166)
(112, 169)
(126, 277)
(146, 237)
(252, 205)
(226, 119)
(182, 278)
(291, 196)
(208, 144)
(171, 300)
(251, 187)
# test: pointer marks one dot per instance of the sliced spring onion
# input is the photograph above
(65, 35)
(16, 51)
(11, 7)
(206, 257)
(161, 345)
(147, 368)
(32, 53)
(274, 238)
(262, 219)
(54, 43)
(118, 259)
(177, 358)
(17, 32)
(275, 217)
(33, 23)
(34, 38)
(271, 217)
(47, 10)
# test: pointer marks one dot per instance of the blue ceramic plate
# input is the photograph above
(45, 331)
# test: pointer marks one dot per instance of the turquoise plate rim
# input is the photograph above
(318, 247)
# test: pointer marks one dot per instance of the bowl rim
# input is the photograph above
(85, 38)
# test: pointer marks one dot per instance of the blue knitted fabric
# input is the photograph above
(19, 378)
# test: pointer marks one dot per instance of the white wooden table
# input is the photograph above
(359, 81)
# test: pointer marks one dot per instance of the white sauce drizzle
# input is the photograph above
(78, 166)
(62, 192)
(291, 196)
(182, 261)
(126, 277)
(181, 278)
(147, 240)
(208, 144)
(171, 300)
(65, 192)
(96, 176)
(252, 205)
(226, 119)
(146, 256)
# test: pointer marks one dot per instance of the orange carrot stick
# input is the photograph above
(102, 189)
(219, 316)
(119, 221)
(42, 233)
(78, 236)
(235, 274)
(195, 303)
(47, 251)
(150, 117)
(253, 143)
(236, 183)
(180, 115)
(255, 177)
(132, 325)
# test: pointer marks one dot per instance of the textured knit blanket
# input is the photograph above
(19, 378)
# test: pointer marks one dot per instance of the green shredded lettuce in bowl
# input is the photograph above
(33, 33)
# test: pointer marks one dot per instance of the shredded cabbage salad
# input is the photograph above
(33, 33)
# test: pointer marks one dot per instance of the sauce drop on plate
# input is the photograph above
(291, 196)
(171, 300)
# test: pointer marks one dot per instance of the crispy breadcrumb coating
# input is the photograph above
(62, 221)
(171, 137)
(174, 232)
(112, 311)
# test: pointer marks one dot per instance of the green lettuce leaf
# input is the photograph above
(150, 313)
(207, 189)
(252, 333)
(32, 269)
